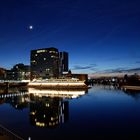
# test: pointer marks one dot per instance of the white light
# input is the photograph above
(30, 27)
(57, 93)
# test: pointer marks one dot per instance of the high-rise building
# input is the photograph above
(44, 63)
(63, 66)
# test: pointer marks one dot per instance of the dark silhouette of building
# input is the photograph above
(18, 72)
(82, 77)
(63, 64)
(2, 73)
(44, 63)
(132, 80)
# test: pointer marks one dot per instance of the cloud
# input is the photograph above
(134, 70)
(89, 67)
(117, 70)
(121, 70)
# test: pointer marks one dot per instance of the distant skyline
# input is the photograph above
(100, 36)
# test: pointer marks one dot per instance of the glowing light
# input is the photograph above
(56, 93)
(52, 118)
(40, 124)
(33, 113)
(40, 51)
(31, 27)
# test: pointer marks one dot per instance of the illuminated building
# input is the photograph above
(48, 63)
(44, 63)
(18, 72)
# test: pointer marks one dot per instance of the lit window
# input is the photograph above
(40, 51)
(50, 124)
(33, 61)
(52, 52)
(47, 105)
(52, 118)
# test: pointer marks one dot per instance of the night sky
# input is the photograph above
(100, 35)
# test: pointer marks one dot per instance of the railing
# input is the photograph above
(12, 136)
(58, 80)
(14, 81)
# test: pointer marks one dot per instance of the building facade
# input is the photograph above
(80, 76)
(63, 63)
(2, 74)
(44, 63)
(18, 72)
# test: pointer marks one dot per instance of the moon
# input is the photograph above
(31, 27)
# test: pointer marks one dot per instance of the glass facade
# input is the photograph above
(44, 63)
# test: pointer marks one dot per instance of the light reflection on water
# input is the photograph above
(101, 112)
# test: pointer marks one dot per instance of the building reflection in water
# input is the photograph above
(134, 94)
(48, 112)
(49, 108)
(16, 97)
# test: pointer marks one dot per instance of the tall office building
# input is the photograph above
(63, 66)
(44, 63)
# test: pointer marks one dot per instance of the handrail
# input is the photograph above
(9, 133)
(13, 81)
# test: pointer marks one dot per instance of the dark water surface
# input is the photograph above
(101, 113)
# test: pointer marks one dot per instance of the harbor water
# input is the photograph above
(101, 112)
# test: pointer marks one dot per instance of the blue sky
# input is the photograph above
(99, 35)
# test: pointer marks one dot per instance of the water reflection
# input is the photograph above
(16, 97)
(48, 112)
(57, 93)
(55, 114)
(133, 94)
(47, 108)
